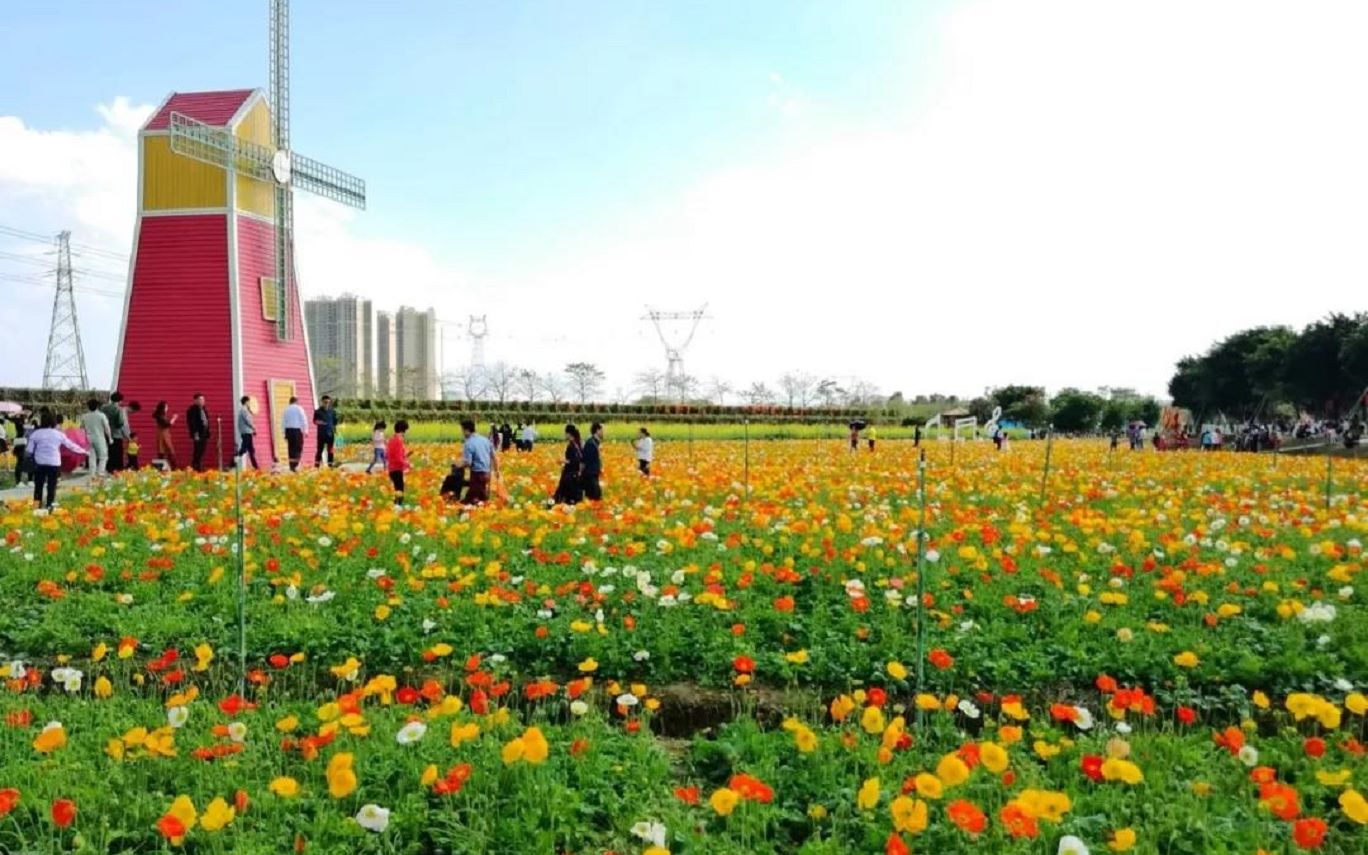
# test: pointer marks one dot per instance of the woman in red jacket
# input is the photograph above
(396, 457)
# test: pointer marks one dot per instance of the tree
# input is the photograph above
(828, 391)
(650, 384)
(499, 380)
(683, 387)
(1353, 357)
(1313, 372)
(526, 383)
(586, 380)
(718, 390)
(553, 386)
(1025, 404)
(1076, 411)
(466, 385)
(758, 393)
(981, 409)
(797, 388)
(862, 393)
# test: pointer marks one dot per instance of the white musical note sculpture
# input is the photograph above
(934, 422)
(990, 427)
(970, 422)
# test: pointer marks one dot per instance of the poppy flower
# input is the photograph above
(1091, 766)
(967, 816)
(1309, 833)
(743, 665)
(1314, 747)
(894, 845)
(941, 659)
(63, 812)
(687, 795)
(1187, 715)
(9, 800)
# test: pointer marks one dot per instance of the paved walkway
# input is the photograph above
(78, 480)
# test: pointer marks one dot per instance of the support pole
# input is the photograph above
(746, 424)
(1329, 473)
(218, 440)
(242, 584)
(1045, 476)
(921, 576)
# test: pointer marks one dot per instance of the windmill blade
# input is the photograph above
(327, 181)
(218, 147)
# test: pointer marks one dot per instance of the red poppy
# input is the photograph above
(877, 697)
(19, 718)
(578, 747)
(1092, 766)
(1187, 715)
(967, 816)
(407, 695)
(969, 753)
(1106, 685)
(940, 658)
(1263, 775)
(1018, 822)
(479, 702)
(241, 801)
(783, 604)
(687, 795)
(64, 812)
(9, 800)
(1280, 799)
(751, 788)
(895, 846)
(279, 660)
(1231, 739)
(743, 665)
(1309, 833)
(1314, 747)
(171, 828)
(235, 704)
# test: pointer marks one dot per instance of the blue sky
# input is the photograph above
(482, 128)
(926, 196)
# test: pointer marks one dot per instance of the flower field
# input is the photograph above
(1154, 653)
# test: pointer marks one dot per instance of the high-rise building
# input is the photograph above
(386, 356)
(407, 354)
(342, 345)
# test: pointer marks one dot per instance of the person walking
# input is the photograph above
(19, 447)
(916, 437)
(568, 491)
(871, 436)
(296, 427)
(45, 447)
(377, 446)
(117, 417)
(246, 431)
(165, 420)
(592, 468)
(477, 455)
(529, 436)
(98, 434)
(197, 419)
(506, 437)
(645, 451)
(325, 419)
(396, 460)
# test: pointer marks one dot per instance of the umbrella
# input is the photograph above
(70, 459)
(9, 408)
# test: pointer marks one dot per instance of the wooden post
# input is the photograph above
(1045, 476)
(920, 610)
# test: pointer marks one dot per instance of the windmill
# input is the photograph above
(674, 350)
(212, 305)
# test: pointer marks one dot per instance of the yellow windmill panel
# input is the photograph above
(174, 182)
(253, 196)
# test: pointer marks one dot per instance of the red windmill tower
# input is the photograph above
(212, 305)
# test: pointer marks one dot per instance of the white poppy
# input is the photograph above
(237, 731)
(651, 832)
(1070, 845)
(177, 716)
(372, 817)
(641, 655)
(627, 699)
(410, 733)
(967, 707)
(578, 708)
(1083, 719)
(1249, 755)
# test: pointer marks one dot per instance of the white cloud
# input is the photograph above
(1062, 192)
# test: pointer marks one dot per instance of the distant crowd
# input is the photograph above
(103, 439)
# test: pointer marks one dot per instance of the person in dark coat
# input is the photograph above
(197, 419)
(452, 485)
(568, 491)
(593, 464)
(325, 419)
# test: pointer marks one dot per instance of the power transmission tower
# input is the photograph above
(674, 352)
(65, 367)
(478, 329)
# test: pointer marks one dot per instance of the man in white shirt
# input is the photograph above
(529, 437)
(296, 425)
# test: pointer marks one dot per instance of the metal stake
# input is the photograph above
(921, 576)
(218, 440)
(1045, 477)
(746, 424)
(1329, 473)
(242, 584)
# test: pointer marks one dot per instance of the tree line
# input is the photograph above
(1070, 410)
(1268, 372)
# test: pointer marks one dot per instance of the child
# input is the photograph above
(453, 484)
(377, 446)
(133, 451)
(396, 460)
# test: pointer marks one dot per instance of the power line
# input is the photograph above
(90, 249)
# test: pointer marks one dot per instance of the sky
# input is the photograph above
(925, 196)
